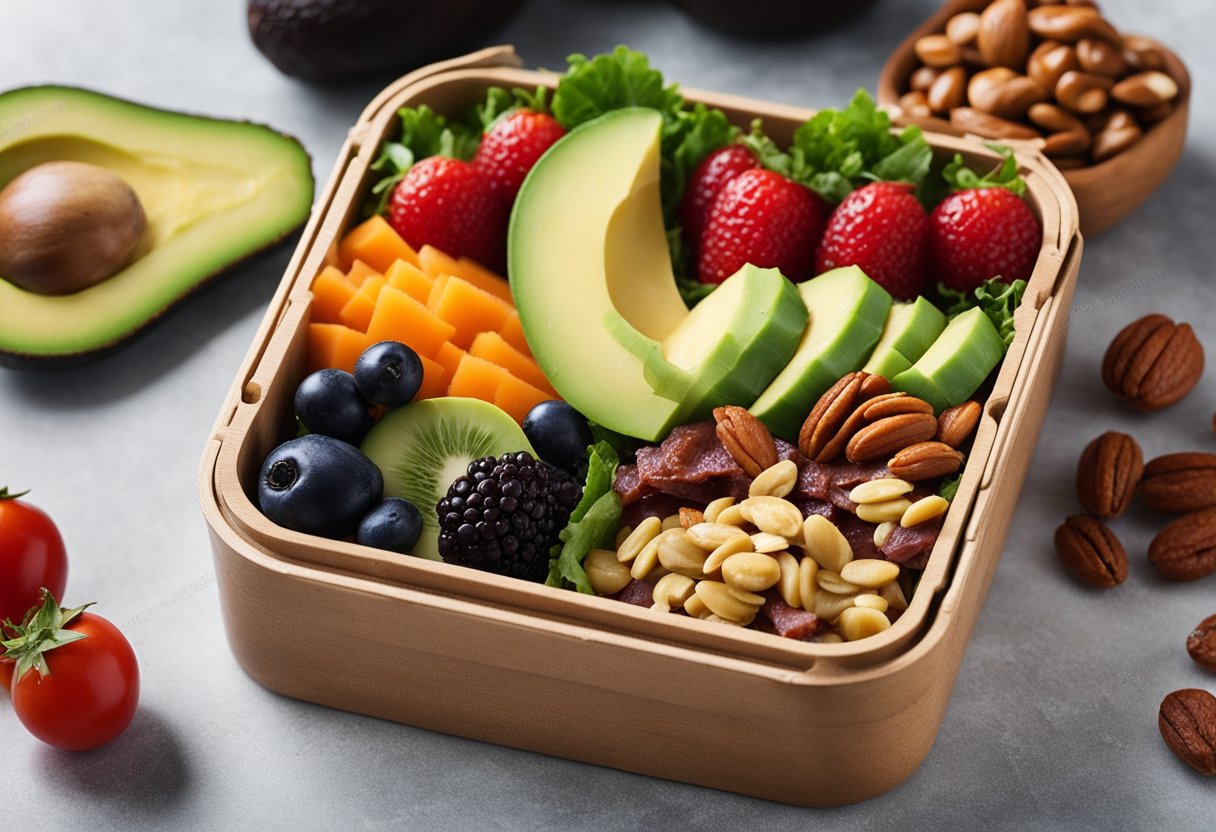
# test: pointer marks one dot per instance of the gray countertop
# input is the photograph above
(1053, 720)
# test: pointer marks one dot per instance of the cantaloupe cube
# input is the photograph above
(334, 345)
(435, 263)
(438, 284)
(399, 317)
(330, 292)
(449, 356)
(409, 278)
(434, 379)
(476, 378)
(470, 310)
(357, 313)
(376, 244)
(518, 397)
(492, 347)
(360, 271)
(483, 278)
(512, 332)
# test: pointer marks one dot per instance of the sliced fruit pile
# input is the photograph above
(457, 316)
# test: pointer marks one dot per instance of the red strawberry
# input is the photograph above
(765, 219)
(706, 183)
(978, 234)
(511, 147)
(451, 205)
(880, 227)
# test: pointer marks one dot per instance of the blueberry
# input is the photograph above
(394, 524)
(318, 485)
(328, 403)
(388, 373)
(559, 433)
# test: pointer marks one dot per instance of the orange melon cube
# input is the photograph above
(359, 272)
(434, 379)
(435, 263)
(357, 313)
(492, 347)
(518, 397)
(470, 310)
(334, 345)
(512, 331)
(476, 378)
(437, 286)
(409, 278)
(330, 292)
(449, 356)
(376, 244)
(399, 317)
(483, 278)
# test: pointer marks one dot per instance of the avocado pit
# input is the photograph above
(66, 226)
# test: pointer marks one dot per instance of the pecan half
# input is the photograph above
(1153, 362)
(889, 436)
(1090, 552)
(1187, 722)
(1185, 550)
(746, 439)
(955, 425)
(1201, 644)
(1180, 482)
(1108, 474)
(834, 409)
(925, 461)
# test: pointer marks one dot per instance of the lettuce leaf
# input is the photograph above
(593, 522)
(998, 299)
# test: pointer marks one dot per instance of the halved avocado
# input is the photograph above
(215, 192)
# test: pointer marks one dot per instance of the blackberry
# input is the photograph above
(505, 515)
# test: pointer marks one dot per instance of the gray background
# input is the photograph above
(1053, 720)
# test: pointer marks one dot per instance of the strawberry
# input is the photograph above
(451, 205)
(880, 227)
(510, 148)
(763, 218)
(706, 183)
(981, 233)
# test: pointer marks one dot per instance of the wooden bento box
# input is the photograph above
(588, 678)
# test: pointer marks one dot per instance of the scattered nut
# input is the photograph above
(1153, 362)
(1091, 552)
(1107, 474)
(1201, 643)
(1183, 550)
(1187, 721)
(1179, 482)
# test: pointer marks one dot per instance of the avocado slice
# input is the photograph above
(956, 365)
(215, 192)
(911, 329)
(847, 313)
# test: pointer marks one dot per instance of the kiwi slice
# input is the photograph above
(423, 447)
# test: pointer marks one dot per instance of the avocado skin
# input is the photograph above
(328, 41)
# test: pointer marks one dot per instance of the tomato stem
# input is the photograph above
(5, 495)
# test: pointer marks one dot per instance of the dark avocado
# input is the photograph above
(214, 193)
(773, 19)
(336, 40)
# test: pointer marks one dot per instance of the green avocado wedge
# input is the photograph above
(215, 192)
(956, 365)
(910, 330)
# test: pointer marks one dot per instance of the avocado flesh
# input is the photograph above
(910, 330)
(586, 239)
(956, 365)
(214, 192)
(847, 311)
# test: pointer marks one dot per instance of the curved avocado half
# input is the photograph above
(215, 192)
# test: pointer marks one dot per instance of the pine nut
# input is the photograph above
(830, 581)
(829, 605)
(671, 592)
(787, 587)
(715, 508)
(893, 594)
(710, 536)
(808, 573)
(776, 481)
(695, 607)
(870, 572)
(882, 512)
(606, 574)
(622, 534)
(831, 638)
(924, 510)
(746, 597)
(768, 543)
(718, 599)
(873, 602)
(861, 622)
(825, 543)
(646, 560)
(731, 516)
(680, 555)
(880, 490)
(883, 533)
(740, 543)
(646, 531)
(750, 571)
(672, 521)
(773, 515)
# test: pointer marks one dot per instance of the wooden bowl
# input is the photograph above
(1105, 192)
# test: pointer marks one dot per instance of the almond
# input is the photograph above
(1153, 362)
(1108, 473)
(1090, 552)
(746, 439)
(1003, 36)
(925, 461)
(890, 435)
(1180, 482)
(1185, 550)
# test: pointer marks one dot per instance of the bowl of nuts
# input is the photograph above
(1108, 109)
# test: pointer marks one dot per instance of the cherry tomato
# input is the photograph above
(31, 557)
(80, 694)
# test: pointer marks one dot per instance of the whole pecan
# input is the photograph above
(890, 435)
(1153, 362)
(1180, 482)
(1185, 550)
(955, 425)
(1091, 552)
(1187, 722)
(1108, 473)
(746, 439)
(834, 408)
(1201, 643)
(925, 461)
